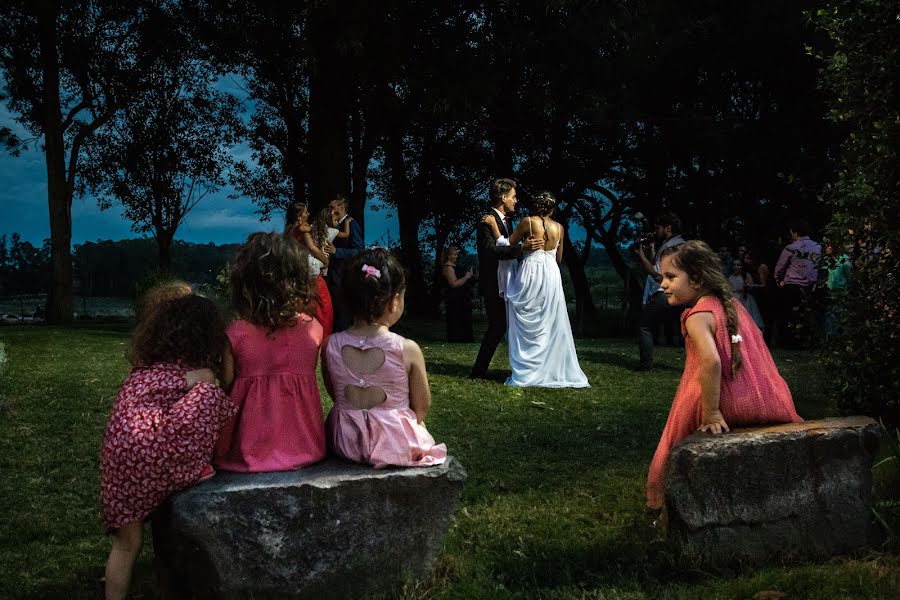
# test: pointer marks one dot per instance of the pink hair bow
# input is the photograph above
(370, 270)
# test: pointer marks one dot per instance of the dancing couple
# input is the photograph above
(526, 297)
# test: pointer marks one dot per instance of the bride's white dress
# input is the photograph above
(541, 347)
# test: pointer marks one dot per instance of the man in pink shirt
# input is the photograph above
(796, 272)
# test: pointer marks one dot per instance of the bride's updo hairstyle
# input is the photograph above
(370, 280)
(543, 203)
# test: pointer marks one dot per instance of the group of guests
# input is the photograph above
(791, 303)
(242, 396)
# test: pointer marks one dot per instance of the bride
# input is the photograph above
(541, 347)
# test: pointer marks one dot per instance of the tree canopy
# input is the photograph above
(709, 109)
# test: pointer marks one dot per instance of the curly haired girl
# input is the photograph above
(275, 346)
(164, 423)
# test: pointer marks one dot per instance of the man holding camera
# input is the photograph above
(666, 233)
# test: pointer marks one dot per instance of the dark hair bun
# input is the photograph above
(543, 203)
(370, 280)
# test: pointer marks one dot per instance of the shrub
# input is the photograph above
(859, 75)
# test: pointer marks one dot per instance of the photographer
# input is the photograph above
(666, 233)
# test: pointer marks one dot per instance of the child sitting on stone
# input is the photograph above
(729, 376)
(377, 378)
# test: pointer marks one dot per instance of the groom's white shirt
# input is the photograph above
(501, 221)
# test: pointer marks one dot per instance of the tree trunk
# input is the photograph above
(359, 163)
(584, 304)
(293, 162)
(60, 303)
(164, 249)
(329, 109)
(409, 219)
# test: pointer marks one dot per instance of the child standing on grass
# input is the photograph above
(160, 436)
(275, 345)
(377, 378)
(729, 375)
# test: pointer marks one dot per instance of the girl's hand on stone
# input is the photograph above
(714, 423)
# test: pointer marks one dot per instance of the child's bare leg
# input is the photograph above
(125, 549)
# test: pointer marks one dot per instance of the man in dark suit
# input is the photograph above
(503, 202)
(339, 251)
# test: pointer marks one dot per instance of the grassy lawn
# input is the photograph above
(553, 506)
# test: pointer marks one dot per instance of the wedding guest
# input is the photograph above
(657, 311)
(838, 272)
(275, 346)
(377, 378)
(796, 274)
(729, 376)
(339, 251)
(314, 236)
(741, 283)
(457, 299)
(160, 435)
(727, 260)
(761, 290)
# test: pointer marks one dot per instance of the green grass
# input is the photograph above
(553, 506)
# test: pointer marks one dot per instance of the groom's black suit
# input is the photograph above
(489, 253)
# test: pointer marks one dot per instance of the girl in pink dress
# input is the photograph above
(160, 435)
(275, 346)
(729, 376)
(376, 378)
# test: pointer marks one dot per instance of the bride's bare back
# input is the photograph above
(541, 228)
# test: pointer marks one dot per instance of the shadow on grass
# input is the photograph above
(88, 584)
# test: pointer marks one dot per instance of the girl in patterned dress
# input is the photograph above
(729, 376)
(164, 422)
(377, 378)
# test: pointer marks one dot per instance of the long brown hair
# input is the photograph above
(269, 281)
(187, 329)
(319, 227)
(291, 215)
(704, 267)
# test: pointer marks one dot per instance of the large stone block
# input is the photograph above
(775, 494)
(335, 530)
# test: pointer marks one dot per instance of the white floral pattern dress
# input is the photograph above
(158, 440)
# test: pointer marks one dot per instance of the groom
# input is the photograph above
(503, 202)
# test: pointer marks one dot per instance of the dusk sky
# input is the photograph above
(218, 219)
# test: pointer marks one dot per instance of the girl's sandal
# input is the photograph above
(207, 473)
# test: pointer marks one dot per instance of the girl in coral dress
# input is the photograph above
(160, 435)
(275, 347)
(729, 376)
(377, 378)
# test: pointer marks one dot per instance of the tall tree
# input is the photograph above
(264, 48)
(68, 68)
(171, 147)
(860, 75)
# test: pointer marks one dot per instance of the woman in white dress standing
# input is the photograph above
(541, 346)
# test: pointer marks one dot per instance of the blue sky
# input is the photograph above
(217, 219)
